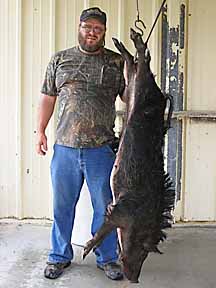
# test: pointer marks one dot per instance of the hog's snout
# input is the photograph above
(131, 274)
(132, 267)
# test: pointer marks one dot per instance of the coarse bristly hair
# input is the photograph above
(144, 193)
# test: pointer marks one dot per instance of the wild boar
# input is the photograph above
(143, 193)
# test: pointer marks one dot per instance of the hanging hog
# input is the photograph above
(142, 191)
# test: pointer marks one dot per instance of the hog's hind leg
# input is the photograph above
(124, 52)
(120, 46)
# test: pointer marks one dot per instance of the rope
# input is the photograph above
(155, 21)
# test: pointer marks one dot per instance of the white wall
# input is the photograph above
(32, 30)
(200, 132)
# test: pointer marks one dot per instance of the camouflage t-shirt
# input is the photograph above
(87, 87)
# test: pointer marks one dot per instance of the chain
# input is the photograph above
(137, 2)
(138, 20)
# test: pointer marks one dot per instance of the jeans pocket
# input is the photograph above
(110, 150)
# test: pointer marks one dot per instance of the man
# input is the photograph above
(86, 80)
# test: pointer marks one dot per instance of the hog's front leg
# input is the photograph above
(105, 229)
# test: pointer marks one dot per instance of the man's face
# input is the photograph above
(91, 35)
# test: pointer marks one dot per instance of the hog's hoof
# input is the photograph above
(118, 45)
(109, 209)
(88, 247)
(133, 34)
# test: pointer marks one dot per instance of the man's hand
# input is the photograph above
(45, 111)
(41, 146)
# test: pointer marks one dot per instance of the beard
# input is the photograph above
(90, 48)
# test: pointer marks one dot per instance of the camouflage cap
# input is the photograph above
(93, 12)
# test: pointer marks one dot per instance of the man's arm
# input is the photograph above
(45, 111)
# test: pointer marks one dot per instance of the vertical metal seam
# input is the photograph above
(66, 22)
(121, 19)
(52, 50)
(6, 70)
(18, 85)
(86, 4)
(40, 32)
(52, 39)
(155, 41)
(184, 123)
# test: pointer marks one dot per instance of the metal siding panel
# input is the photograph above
(200, 196)
(13, 106)
(200, 185)
(36, 187)
(3, 109)
(201, 49)
(164, 48)
(61, 25)
(174, 155)
(172, 82)
(7, 108)
(67, 21)
(18, 95)
(27, 111)
(35, 198)
(50, 25)
(32, 30)
(71, 22)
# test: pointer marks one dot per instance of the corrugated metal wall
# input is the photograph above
(200, 124)
(32, 30)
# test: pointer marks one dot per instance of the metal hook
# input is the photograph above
(138, 20)
(143, 24)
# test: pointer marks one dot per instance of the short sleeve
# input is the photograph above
(49, 86)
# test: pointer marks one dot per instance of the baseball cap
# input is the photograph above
(93, 12)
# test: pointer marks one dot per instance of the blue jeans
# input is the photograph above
(69, 168)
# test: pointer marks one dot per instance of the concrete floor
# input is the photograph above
(189, 260)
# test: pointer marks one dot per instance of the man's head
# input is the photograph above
(92, 28)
